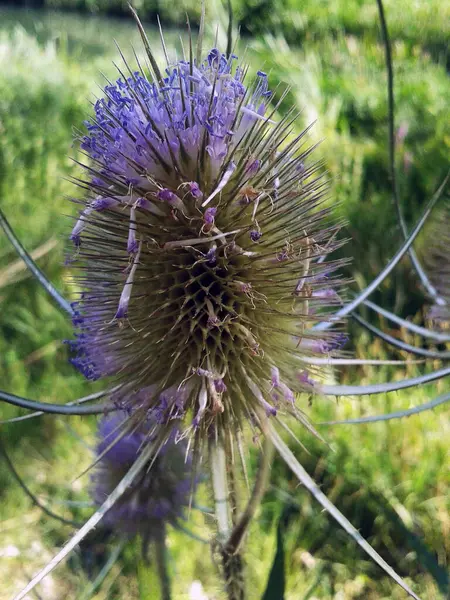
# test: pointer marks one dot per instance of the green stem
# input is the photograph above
(161, 565)
(232, 564)
(233, 494)
(233, 572)
(220, 489)
(232, 561)
(259, 488)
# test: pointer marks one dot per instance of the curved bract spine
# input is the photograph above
(425, 280)
(32, 266)
(393, 341)
(380, 388)
(58, 409)
(399, 414)
(437, 336)
(348, 308)
(121, 488)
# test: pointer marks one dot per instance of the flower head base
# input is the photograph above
(157, 497)
(199, 247)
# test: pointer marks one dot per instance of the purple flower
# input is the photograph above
(195, 190)
(252, 167)
(209, 216)
(180, 302)
(316, 345)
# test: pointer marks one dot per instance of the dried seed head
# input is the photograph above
(199, 248)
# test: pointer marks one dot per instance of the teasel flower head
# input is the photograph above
(438, 259)
(200, 248)
(160, 496)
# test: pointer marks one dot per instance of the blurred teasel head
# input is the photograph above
(438, 259)
(157, 497)
(201, 248)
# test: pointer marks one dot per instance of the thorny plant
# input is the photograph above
(208, 302)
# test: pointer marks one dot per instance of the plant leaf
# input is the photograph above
(276, 584)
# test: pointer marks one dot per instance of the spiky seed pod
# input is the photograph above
(158, 497)
(201, 248)
(439, 264)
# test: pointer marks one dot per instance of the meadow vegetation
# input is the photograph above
(390, 479)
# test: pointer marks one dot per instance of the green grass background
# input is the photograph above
(390, 479)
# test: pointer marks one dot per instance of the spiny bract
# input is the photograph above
(201, 248)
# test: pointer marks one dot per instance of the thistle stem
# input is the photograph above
(233, 494)
(232, 564)
(233, 573)
(258, 491)
(220, 488)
